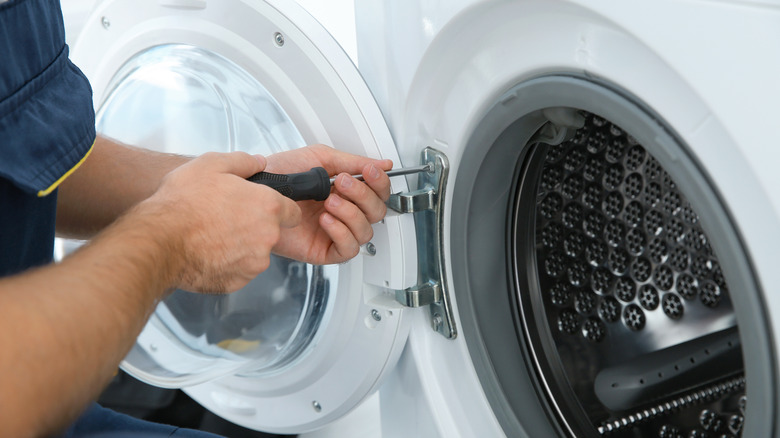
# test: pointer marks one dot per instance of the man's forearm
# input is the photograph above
(110, 181)
(66, 327)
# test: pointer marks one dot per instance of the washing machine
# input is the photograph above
(591, 254)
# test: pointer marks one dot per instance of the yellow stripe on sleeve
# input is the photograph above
(51, 188)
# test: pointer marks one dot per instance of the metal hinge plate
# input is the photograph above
(426, 203)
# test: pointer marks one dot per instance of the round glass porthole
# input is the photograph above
(186, 100)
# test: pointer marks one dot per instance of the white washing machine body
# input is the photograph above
(691, 81)
(438, 72)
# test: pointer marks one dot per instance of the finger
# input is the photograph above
(236, 163)
(335, 161)
(378, 181)
(344, 244)
(351, 216)
(363, 195)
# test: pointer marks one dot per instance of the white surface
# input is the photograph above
(435, 79)
(435, 67)
(322, 93)
(75, 14)
(338, 18)
(364, 422)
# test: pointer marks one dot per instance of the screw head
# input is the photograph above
(316, 405)
(104, 21)
(376, 315)
(437, 322)
(279, 39)
(371, 249)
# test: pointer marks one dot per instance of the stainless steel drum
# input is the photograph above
(627, 314)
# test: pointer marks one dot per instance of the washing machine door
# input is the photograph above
(301, 345)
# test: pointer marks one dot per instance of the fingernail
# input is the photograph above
(374, 172)
(327, 218)
(334, 200)
(346, 181)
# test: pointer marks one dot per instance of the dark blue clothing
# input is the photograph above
(47, 123)
(47, 127)
(26, 228)
(99, 422)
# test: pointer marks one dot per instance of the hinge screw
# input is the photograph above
(316, 405)
(436, 322)
(105, 22)
(375, 314)
(279, 38)
(371, 249)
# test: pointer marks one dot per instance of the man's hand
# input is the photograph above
(117, 177)
(332, 231)
(204, 228)
(223, 226)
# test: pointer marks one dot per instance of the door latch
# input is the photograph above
(426, 204)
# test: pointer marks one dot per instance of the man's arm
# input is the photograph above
(111, 180)
(115, 177)
(64, 328)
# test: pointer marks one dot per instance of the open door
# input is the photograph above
(301, 345)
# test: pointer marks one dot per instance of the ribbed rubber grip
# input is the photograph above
(311, 185)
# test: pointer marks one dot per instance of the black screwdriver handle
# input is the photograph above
(313, 184)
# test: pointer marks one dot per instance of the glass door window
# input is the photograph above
(186, 100)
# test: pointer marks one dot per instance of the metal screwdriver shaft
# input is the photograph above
(315, 183)
(397, 172)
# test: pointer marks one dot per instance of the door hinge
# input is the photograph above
(420, 295)
(426, 203)
(412, 202)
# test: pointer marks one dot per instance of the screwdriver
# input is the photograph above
(315, 184)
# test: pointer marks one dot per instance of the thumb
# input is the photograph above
(291, 213)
